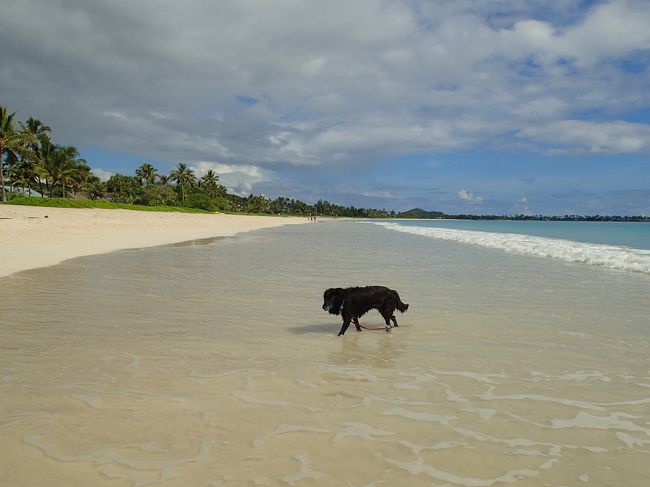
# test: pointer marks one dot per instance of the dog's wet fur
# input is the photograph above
(353, 302)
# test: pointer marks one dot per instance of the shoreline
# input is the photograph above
(32, 237)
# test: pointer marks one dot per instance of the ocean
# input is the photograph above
(212, 363)
(622, 246)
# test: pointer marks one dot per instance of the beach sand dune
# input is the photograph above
(33, 237)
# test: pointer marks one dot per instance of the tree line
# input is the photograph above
(30, 161)
(420, 213)
(562, 218)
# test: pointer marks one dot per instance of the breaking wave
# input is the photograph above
(610, 256)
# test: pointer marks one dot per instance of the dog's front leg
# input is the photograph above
(346, 323)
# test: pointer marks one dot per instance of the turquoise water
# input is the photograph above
(615, 246)
(635, 235)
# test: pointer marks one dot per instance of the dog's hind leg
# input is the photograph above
(356, 323)
(387, 317)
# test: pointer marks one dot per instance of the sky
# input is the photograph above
(461, 106)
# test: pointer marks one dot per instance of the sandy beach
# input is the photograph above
(212, 363)
(33, 237)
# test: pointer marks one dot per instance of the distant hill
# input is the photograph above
(420, 213)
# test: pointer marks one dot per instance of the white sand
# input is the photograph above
(32, 237)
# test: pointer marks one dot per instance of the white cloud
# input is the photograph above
(201, 167)
(469, 197)
(610, 29)
(594, 137)
(378, 194)
(238, 178)
(102, 174)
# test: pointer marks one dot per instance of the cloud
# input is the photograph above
(102, 174)
(595, 137)
(377, 194)
(469, 197)
(608, 30)
(238, 178)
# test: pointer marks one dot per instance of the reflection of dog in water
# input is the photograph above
(353, 302)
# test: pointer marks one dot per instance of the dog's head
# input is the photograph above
(333, 300)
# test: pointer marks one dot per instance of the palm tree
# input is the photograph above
(45, 165)
(258, 204)
(94, 187)
(210, 181)
(27, 169)
(12, 143)
(35, 127)
(24, 174)
(183, 175)
(147, 173)
(62, 166)
(71, 168)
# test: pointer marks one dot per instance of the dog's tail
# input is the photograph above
(400, 306)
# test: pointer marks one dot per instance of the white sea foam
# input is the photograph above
(610, 256)
(305, 472)
(418, 467)
(435, 418)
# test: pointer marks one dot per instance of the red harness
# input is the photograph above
(383, 328)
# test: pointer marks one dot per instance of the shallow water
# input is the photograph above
(211, 363)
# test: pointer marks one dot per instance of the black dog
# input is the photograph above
(353, 302)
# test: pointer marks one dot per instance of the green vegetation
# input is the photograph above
(420, 213)
(13, 144)
(103, 204)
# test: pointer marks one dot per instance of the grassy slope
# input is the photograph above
(107, 205)
(68, 203)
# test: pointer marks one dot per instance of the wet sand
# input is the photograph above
(33, 237)
(211, 363)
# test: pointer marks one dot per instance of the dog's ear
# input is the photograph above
(337, 298)
(333, 291)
